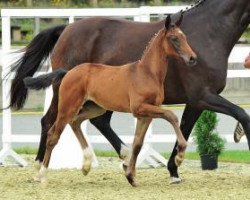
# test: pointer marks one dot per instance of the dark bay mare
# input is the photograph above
(212, 28)
(137, 88)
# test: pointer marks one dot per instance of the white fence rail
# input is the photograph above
(142, 14)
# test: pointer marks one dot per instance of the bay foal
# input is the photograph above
(137, 88)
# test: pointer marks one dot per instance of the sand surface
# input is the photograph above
(230, 181)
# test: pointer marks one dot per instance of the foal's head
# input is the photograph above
(175, 43)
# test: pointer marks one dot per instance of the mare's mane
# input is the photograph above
(195, 5)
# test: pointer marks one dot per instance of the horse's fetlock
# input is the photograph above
(124, 152)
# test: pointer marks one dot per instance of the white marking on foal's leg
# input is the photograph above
(87, 161)
(179, 158)
(124, 152)
(41, 176)
(125, 155)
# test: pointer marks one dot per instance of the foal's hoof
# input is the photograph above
(40, 179)
(86, 168)
(124, 167)
(38, 165)
(131, 180)
(175, 180)
(178, 160)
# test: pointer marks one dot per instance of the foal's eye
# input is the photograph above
(174, 38)
(175, 41)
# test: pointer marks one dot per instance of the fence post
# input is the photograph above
(6, 85)
(143, 16)
(36, 26)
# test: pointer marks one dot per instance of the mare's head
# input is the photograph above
(175, 43)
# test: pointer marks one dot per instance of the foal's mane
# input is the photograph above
(151, 41)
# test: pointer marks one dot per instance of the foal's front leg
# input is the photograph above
(158, 112)
(141, 128)
(148, 111)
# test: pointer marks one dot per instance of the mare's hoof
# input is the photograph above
(238, 133)
(178, 160)
(175, 180)
(131, 180)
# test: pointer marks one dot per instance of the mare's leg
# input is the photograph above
(141, 128)
(189, 117)
(217, 103)
(102, 123)
(46, 122)
(88, 111)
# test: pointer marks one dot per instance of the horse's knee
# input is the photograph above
(43, 121)
(52, 141)
(45, 125)
(48, 120)
(52, 138)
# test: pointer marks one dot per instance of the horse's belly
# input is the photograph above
(113, 102)
(110, 97)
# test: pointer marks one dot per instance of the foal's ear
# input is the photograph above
(178, 23)
(167, 22)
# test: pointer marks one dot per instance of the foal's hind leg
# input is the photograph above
(89, 110)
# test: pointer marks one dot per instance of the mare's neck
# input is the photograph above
(154, 60)
(223, 21)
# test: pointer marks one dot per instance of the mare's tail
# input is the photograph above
(44, 81)
(34, 55)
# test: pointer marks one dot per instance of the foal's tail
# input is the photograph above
(34, 55)
(44, 81)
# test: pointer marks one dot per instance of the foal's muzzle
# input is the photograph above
(192, 61)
